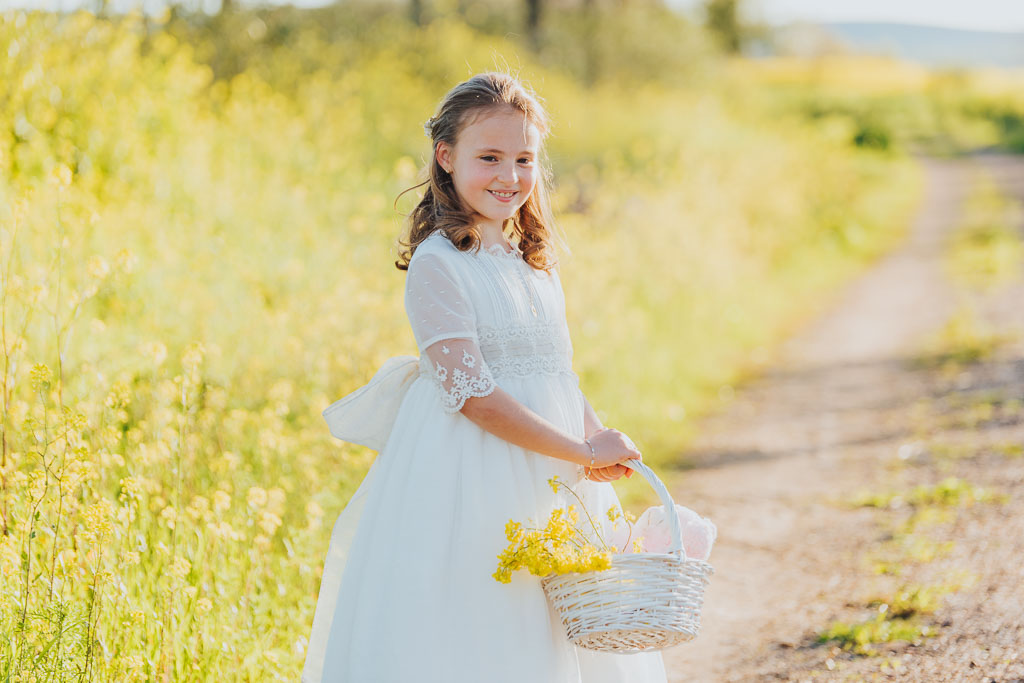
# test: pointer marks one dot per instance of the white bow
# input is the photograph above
(367, 414)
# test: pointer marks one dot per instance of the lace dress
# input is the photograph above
(407, 593)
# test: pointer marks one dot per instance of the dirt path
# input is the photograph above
(844, 411)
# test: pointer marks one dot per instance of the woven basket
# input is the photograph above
(645, 601)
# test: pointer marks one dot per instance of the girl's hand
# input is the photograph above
(612, 447)
(611, 473)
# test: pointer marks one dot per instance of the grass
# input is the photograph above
(964, 340)
(987, 251)
(951, 491)
(862, 637)
(898, 616)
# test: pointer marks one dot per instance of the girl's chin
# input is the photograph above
(500, 215)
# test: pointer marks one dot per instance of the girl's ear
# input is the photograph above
(444, 156)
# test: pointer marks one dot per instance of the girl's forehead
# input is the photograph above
(499, 129)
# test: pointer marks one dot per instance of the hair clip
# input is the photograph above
(428, 126)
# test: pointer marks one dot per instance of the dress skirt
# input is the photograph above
(408, 593)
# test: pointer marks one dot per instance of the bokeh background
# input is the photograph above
(198, 213)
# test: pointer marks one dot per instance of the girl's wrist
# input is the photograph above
(589, 455)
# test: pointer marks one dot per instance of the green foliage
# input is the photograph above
(722, 19)
(951, 491)
(884, 104)
(963, 340)
(986, 251)
(872, 134)
(898, 617)
(861, 637)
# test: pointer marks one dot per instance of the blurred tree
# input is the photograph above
(721, 17)
(416, 11)
(533, 18)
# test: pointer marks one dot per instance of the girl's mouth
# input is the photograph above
(503, 196)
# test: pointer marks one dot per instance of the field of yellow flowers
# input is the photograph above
(192, 268)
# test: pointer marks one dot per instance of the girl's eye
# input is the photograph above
(490, 157)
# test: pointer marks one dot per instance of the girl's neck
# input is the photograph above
(491, 234)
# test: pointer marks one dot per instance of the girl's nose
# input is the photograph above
(507, 174)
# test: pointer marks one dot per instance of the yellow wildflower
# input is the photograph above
(269, 522)
(155, 351)
(192, 357)
(313, 509)
(223, 530)
(39, 376)
(98, 267)
(96, 520)
(221, 500)
(513, 530)
(275, 500)
(126, 261)
(169, 516)
(130, 490)
(180, 568)
(198, 508)
(119, 396)
(256, 497)
(60, 175)
(574, 515)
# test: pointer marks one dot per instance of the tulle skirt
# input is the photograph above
(408, 593)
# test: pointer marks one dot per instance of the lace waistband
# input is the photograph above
(522, 350)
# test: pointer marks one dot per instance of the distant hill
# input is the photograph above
(932, 45)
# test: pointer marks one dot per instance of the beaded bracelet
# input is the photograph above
(592, 456)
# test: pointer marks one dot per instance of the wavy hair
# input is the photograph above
(441, 209)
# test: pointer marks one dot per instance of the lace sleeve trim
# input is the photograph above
(459, 371)
(463, 387)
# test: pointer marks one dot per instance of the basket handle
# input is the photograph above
(666, 500)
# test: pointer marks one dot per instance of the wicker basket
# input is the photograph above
(645, 601)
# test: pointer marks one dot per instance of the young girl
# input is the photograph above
(469, 433)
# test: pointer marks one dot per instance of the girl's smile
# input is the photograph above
(503, 197)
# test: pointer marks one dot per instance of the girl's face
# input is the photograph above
(493, 165)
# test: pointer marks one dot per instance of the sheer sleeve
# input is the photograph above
(444, 324)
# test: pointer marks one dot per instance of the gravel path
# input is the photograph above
(847, 409)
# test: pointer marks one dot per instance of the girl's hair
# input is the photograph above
(441, 208)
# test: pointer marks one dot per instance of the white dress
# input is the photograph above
(407, 594)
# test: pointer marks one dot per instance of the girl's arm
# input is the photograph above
(502, 415)
(591, 422)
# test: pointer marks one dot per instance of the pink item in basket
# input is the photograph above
(698, 533)
(619, 537)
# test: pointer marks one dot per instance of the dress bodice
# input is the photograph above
(512, 313)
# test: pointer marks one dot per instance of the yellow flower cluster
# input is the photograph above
(559, 548)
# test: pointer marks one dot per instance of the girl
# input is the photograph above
(470, 432)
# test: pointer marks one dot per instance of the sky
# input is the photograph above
(985, 15)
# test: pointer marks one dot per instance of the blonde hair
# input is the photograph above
(441, 209)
